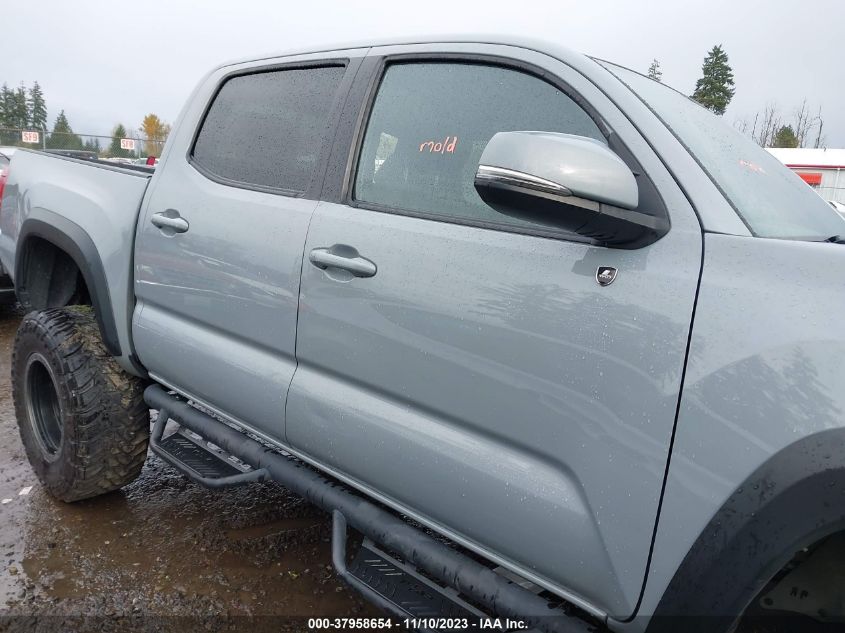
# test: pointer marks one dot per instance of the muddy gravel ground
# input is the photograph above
(161, 554)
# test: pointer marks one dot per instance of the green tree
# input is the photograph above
(7, 97)
(785, 137)
(62, 136)
(93, 145)
(115, 150)
(654, 71)
(14, 114)
(20, 108)
(37, 107)
(715, 89)
(4, 105)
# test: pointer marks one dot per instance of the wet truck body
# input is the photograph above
(541, 305)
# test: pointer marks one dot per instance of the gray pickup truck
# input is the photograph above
(550, 341)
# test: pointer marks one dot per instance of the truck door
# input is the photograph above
(467, 366)
(219, 242)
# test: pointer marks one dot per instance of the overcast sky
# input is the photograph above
(106, 61)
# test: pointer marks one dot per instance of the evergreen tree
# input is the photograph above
(7, 97)
(654, 71)
(62, 136)
(14, 114)
(37, 107)
(715, 89)
(785, 137)
(93, 145)
(115, 150)
(5, 106)
(20, 110)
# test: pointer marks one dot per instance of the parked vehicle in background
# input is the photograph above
(546, 308)
(7, 290)
(6, 154)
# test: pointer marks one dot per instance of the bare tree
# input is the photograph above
(819, 138)
(741, 125)
(807, 127)
(770, 122)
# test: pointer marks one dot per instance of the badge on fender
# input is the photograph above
(605, 275)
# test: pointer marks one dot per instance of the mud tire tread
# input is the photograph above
(105, 422)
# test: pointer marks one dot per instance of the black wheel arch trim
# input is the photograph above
(796, 498)
(75, 241)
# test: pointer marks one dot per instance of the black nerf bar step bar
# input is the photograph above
(394, 585)
(493, 592)
(198, 461)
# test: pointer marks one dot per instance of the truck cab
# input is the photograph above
(508, 292)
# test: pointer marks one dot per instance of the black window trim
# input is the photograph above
(346, 194)
(312, 190)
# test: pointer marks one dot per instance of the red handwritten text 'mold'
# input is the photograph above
(446, 146)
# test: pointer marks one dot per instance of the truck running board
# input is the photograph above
(201, 463)
(396, 586)
(464, 576)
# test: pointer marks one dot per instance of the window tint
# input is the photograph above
(268, 129)
(431, 121)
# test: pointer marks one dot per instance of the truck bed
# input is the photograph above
(100, 200)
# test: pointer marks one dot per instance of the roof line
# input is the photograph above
(795, 166)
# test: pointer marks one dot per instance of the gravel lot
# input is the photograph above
(161, 554)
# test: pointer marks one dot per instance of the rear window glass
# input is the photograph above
(268, 129)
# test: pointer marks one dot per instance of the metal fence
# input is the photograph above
(134, 145)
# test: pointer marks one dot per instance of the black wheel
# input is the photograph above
(82, 419)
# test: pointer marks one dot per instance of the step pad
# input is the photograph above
(411, 593)
(203, 461)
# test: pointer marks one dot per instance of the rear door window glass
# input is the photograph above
(268, 129)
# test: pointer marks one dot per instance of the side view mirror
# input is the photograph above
(571, 182)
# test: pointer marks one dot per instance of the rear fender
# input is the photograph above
(72, 239)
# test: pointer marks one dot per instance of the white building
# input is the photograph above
(822, 169)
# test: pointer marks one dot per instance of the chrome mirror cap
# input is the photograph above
(560, 164)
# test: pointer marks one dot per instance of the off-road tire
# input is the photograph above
(88, 434)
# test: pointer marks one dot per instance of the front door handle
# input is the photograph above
(342, 257)
(170, 221)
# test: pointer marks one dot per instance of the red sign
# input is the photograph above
(30, 137)
(814, 180)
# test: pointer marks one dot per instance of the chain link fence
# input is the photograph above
(132, 146)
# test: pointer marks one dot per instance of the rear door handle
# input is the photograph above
(342, 257)
(170, 220)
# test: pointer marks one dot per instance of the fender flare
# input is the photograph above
(75, 241)
(790, 502)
